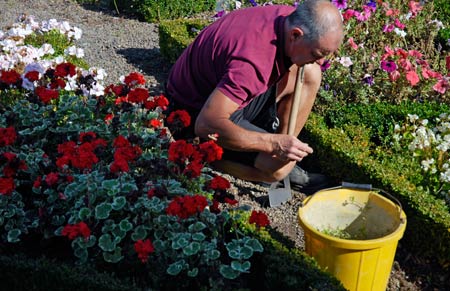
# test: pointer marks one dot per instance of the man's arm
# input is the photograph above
(214, 118)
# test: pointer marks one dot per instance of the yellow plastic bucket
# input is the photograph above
(353, 232)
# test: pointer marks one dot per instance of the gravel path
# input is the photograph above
(117, 44)
(122, 45)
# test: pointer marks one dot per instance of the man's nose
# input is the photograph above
(320, 61)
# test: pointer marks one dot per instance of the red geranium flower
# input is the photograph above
(65, 69)
(134, 79)
(155, 123)
(143, 248)
(210, 151)
(32, 76)
(179, 118)
(180, 151)
(6, 186)
(219, 183)
(138, 95)
(259, 218)
(10, 77)
(73, 231)
(187, 206)
(51, 178)
(46, 95)
(7, 136)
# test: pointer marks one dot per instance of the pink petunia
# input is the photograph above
(352, 43)
(442, 85)
(412, 78)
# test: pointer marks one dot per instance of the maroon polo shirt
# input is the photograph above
(241, 54)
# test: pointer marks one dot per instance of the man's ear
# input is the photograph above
(296, 33)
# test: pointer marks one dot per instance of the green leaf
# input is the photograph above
(108, 226)
(139, 233)
(228, 272)
(81, 253)
(238, 251)
(180, 241)
(241, 267)
(255, 245)
(192, 249)
(13, 235)
(105, 243)
(58, 220)
(198, 236)
(159, 245)
(112, 186)
(212, 254)
(102, 210)
(175, 268)
(197, 226)
(125, 225)
(118, 203)
(113, 257)
(84, 213)
(193, 273)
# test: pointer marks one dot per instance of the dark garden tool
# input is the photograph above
(278, 196)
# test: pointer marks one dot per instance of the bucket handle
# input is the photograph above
(368, 187)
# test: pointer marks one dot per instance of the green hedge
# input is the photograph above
(18, 272)
(158, 10)
(176, 35)
(348, 159)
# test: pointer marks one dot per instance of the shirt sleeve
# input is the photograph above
(242, 82)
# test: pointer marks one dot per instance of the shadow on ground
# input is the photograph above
(149, 61)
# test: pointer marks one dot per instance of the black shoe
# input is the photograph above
(308, 183)
(304, 182)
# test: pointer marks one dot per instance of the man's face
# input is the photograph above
(303, 52)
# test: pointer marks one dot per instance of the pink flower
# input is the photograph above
(399, 24)
(388, 28)
(442, 85)
(394, 75)
(414, 8)
(352, 43)
(412, 78)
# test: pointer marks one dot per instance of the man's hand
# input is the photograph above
(289, 148)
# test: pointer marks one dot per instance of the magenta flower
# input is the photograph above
(388, 66)
(340, 4)
(325, 65)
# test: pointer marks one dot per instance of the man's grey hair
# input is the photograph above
(307, 17)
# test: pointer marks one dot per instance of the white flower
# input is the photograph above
(427, 164)
(238, 4)
(46, 49)
(445, 176)
(98, 73)
(97, 90)
(413, 117)
(74, 51)
(439, 24)
(400, 32)
(346, 61)
(424, 122)
(75, 33)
